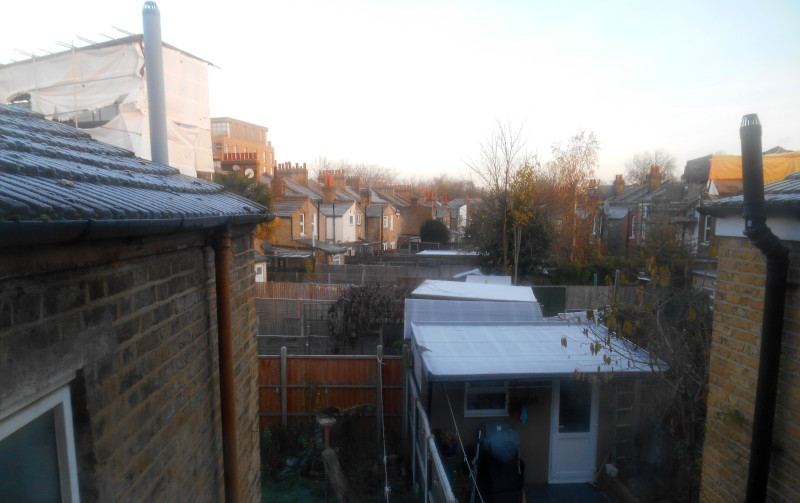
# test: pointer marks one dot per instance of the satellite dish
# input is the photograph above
(249, 173)
(236, 167)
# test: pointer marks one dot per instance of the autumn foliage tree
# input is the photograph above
(567, 198)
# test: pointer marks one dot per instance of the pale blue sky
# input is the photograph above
(416, 85)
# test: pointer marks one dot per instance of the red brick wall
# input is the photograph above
(733, 373)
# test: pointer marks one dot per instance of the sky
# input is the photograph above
(417, 85)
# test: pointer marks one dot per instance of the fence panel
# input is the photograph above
(347, 382)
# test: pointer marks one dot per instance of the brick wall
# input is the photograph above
(733, 373)
(132, 327)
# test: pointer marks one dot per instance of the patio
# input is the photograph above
(563, 493)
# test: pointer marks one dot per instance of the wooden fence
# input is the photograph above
(293, 388)
(307, 291)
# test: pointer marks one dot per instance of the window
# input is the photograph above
(485, 399)
(391, 222)
(385, 222)
(260, 273)
(350, 219)
(302, 224)
(313, 224)
(336, 259)
(220, 129)
(37, 451)
(358, 218)
(633, 227)
(707, 228)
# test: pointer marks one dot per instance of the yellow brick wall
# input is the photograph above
(733, 373)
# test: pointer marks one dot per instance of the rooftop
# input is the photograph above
(484, 351)
(59, 184)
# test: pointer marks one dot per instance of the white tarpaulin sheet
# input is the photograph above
(473, 291)
(64, 85)
(453, 351)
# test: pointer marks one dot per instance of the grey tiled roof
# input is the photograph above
(285, 207)
(782, 197)
(57, 175)
(335, 210)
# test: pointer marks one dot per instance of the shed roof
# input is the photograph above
(59, 184)
(468, 311)
(441, 289)
(488, 351)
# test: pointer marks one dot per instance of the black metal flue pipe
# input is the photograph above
(777, 255)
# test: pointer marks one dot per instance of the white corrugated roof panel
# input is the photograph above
(441, 289)
(489, 280)
(461, 351)
(468, 311)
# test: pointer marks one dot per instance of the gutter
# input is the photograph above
(42, 232)
(760, 235)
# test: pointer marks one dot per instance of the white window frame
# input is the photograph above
(386, 221)
(336, 259)
(302, 224)
(313, 224)
(474, 388)
(391, 222)
(59, 401)
(350, 219)
(707, 226)
(358, 218)
(633, 227)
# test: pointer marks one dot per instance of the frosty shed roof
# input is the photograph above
(473, 291)
(489, 351)
(468, 311)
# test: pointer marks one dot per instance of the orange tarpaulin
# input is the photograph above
(776, 166)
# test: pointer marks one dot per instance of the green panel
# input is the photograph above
(553, 299)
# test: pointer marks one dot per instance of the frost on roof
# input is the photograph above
(464, 311)
(475, 291)
(461, 351)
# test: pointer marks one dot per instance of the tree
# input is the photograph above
(434, 231)
(500, 157)
(368, 174)
(238, 183)
(567, 198)
(363, 309)
(638, 167)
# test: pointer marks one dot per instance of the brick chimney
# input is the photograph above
(655, 178)
(365, 196)
(328, 190)
(619, 185)
(296, 173)
(278, 187)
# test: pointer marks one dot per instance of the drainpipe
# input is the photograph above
(756, 230)
(154, 66)
(223, 261)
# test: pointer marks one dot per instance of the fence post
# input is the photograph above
(379, 401)
(405, 394)
(284, 411)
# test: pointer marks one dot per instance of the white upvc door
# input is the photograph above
(573, 432)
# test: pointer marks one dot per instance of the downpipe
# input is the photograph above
(223, 262)
(777, 255)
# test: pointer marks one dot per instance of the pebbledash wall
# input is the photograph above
(130, 327)
(739, 302)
